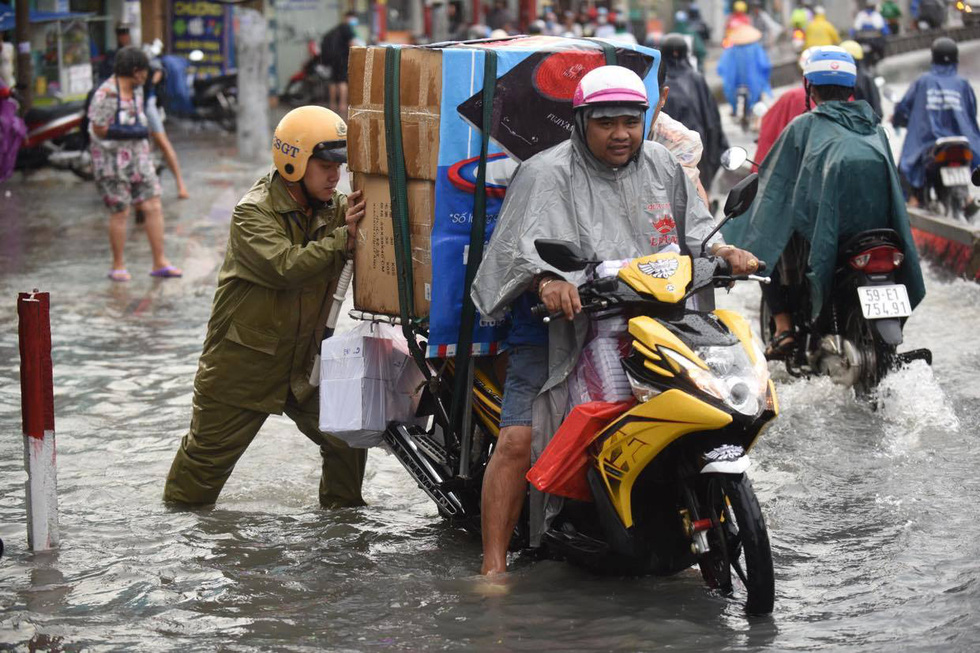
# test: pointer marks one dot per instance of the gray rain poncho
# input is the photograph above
(565, 193)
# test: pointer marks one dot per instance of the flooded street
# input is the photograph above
(871, 509)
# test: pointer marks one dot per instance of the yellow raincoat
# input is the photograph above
(820, 32)
(266, 323)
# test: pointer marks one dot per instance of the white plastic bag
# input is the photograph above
(599, 374)
(367, 379)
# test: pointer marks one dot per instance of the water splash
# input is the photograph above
(911, 402)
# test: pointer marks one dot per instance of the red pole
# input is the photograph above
(37, 406)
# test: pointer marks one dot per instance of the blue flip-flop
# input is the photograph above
(168, 272)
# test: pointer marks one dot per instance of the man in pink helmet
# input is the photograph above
(615, 196)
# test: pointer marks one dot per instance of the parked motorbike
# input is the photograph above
(55, 138)
(215, 98)
(667, 478)
(947, 188)
(310, 83)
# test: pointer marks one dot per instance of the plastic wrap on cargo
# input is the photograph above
(599, 374)
(367, 380)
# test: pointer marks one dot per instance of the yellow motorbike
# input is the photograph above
(667, 477)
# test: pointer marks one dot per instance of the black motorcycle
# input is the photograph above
(215, 98)
(948, 167)
(855, 337)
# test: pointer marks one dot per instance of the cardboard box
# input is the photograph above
(375, 276)
(420, 88)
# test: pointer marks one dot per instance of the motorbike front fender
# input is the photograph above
(738, 466)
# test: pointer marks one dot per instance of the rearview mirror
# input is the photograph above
(561, 255)
(734, 158)
(741, 195)
(976, 176)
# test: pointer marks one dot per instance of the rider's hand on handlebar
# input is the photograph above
(560, 296)
(741, 261)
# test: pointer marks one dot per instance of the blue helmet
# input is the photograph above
(830, 65)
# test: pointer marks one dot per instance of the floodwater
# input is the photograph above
(871, 510)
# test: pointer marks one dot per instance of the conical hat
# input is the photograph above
(744, 34)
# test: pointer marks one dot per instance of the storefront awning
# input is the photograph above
(8, 17)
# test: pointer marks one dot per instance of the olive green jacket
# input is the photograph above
(272, 300)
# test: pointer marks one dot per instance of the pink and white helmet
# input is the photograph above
(610, 85)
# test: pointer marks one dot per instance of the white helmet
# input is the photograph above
(610, 85)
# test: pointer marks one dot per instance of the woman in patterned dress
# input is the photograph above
(124, 171)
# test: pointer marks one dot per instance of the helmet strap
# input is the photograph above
(806, 90)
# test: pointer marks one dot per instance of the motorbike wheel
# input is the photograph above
(82, 167)
(767, 326)
(297, 94)
(876, 355)
(738, 540)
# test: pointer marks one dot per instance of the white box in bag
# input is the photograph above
(367, 379)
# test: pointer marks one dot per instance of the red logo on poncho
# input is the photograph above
(665, 224)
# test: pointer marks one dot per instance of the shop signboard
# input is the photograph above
(204, 26)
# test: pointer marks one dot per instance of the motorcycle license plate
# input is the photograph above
(955, 176)
(880, 302)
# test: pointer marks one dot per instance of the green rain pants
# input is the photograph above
(220, 434)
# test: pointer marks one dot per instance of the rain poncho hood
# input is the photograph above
(828, 177)
(938, 104)
(565, 193)
(690, 101)
(745, 65)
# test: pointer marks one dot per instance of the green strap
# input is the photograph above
(608, 50)
(478, 231)
(398, 188)
(398, 183)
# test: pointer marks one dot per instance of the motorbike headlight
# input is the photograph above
(731, 376)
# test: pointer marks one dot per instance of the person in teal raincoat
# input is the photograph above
(829, 176)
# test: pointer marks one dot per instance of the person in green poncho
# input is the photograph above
(892, 14)
(829, 176)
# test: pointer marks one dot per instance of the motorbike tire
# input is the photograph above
(738, 541)
(877, 354)
(743, 112)
(767, 327)
(83, 167)
(297, 94)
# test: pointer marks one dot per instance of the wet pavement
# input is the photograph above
(871, 508)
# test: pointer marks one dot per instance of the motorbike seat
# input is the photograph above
(40, 115)
(865, 240)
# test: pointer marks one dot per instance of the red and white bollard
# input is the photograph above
(37, 406)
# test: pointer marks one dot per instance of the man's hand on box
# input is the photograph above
(355, 212)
